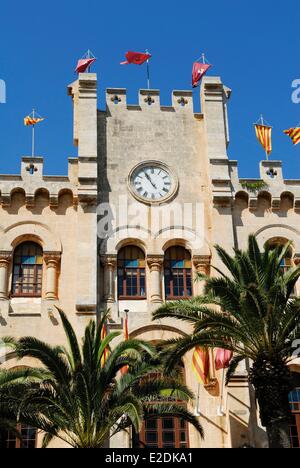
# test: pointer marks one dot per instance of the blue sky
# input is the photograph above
(253, 45)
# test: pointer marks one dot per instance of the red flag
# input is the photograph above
(84, 64)
(137, 58)
(199, 70)
(223, 358)
(200, 365)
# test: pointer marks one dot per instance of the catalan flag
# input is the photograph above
(125, 369)
(200, 365)
(294, 134)
(264, 136)
(29, 121)
(106, 352)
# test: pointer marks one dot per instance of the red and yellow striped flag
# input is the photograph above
(294, 134)
(106, 352)
(264, 136)
(28, 121)
(125, 369)
(200, 365)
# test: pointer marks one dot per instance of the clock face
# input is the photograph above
(152, 182)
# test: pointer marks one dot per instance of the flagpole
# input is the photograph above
(33, 135)
(197, 409)
(220, 411)
(148, 71)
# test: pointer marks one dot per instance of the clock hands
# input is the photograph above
(150, 180)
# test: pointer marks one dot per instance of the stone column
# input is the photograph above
(5, 260)
(202, 266)
(52, 260)
(109, 264)
(155, 264)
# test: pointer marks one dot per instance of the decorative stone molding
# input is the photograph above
(52, 261)
(202, 263)
(5, 261)
(155, 263)
(109, 263)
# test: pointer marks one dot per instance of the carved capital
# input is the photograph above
(5, 259)
(52, 259)
(155, 262)
(202, 263)
(109, 261)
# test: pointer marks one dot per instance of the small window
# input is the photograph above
(28, 441)
(27, 270)
(178, 273)
(294, 399)
(131, 273)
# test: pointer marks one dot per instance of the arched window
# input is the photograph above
(131, 273)
(178, 273)
(27, 270)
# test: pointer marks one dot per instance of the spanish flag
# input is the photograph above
(106, 352)
(28, 121)
(264, 136)
(125, 369)
(200, 365)
(294, 134)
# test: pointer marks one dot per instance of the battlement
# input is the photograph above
(148, 100)
(32, 182)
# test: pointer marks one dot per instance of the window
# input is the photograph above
(27, 270)
(163, 433)
(29, 439)
(131, 273)
(295, 425)
(178, 273)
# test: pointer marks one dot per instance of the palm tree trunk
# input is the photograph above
(273, 382)
(279, 435)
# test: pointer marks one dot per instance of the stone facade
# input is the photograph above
(208, 204)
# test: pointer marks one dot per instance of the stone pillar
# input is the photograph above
(109, 264)
(202, 266)
(155, 264)
(52, 260)
(5, 260)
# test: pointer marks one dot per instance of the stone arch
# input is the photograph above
(115, 244)
(274, 231)
(241, 200)
(264, 202)
(29, 230)
(185, 237)
(287, 200)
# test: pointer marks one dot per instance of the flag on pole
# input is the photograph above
(199, 70)
(106, 352)
(223, 358)
(84, 64)
(125, 369)
(200, 365)
(136, 58)
(29, 120)
(264, 136)
(294, 134)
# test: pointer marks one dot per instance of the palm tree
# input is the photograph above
(13, 385)
(253, 313)
(83, 402)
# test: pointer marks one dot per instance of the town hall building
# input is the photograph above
(149, 194)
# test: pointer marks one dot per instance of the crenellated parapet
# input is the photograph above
(32, 184)
(148, 100)
(270, 191)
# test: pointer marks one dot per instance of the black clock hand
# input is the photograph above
(150, 180)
